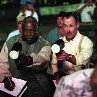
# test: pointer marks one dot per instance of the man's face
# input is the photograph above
(59, 21)
(29, 32)
(70, 27)
(29, 6)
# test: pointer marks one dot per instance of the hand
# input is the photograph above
(57, 78)
(23, 14)
(4, 71)
(62, 56)
(89, 12)
(23, 61)
(88, 4)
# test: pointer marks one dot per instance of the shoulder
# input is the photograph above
(14, 38)
(43, 41)
(75, 84)
(93, 5)
(35, 12)
(76, 77)
(87, 41)
(16, 32)
(53, 31)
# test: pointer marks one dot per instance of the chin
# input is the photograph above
(29, 41)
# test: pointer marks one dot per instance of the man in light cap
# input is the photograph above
(19, 28)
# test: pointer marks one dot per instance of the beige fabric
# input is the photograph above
(44, 54)
(81, 47)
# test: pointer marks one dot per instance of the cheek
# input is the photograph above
(62, 32)
(19, 26)
(74, 32)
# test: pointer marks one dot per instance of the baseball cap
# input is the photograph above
(20, 19)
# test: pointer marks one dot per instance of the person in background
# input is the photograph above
(19, 28)
(57, 32)
(22, 2)
(32, 62)
(75, 85)
(86, 11)
(76, 52)
(28, 10)
(82, 83)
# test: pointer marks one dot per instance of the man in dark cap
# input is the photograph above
(57, 32)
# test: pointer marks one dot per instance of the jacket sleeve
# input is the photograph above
(4, 54)
(4, 66)
(42, 58)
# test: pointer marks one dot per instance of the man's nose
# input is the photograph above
(68, 29)
(28, 33)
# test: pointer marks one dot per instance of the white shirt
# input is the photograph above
(82, 51)
(28, 13)
(85, 17)
(16, 32)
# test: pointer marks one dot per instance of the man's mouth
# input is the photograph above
(68, 34)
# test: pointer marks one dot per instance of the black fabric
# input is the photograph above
(35, 89)
(23, 61)
(3, 94)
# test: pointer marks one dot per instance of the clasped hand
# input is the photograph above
(4, 71)
(63, 56)
(23, 61)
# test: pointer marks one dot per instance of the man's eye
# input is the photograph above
(65, 26)
(33, 30)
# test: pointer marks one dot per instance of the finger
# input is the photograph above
(4, 71)
(61, 58)
(7, 75)
(1, 77)
(4, 65)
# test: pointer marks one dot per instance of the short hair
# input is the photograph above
(61, 14)
(74, 14)
(28, 2)
(30, 19)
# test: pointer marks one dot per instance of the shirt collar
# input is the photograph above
(76, 37)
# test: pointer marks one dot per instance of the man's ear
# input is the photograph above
(37, 26)
(78, 25)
